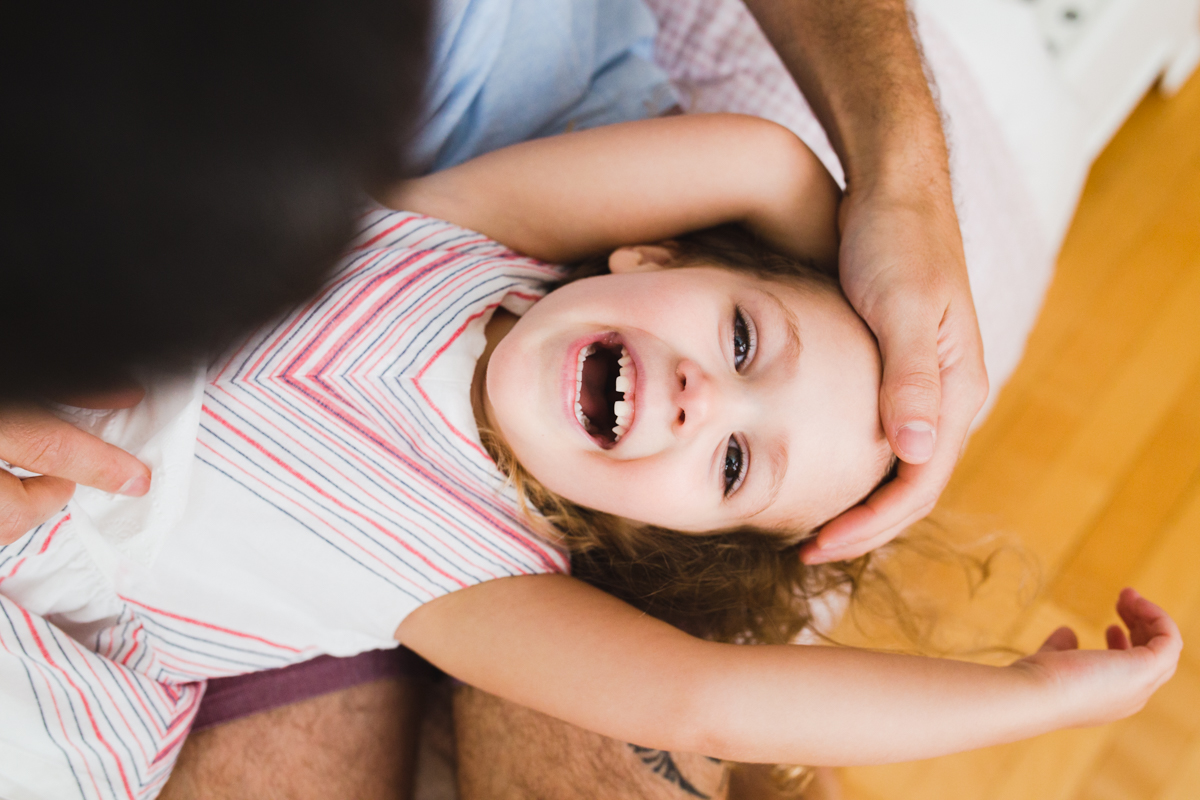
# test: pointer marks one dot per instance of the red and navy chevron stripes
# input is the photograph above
(328, 414)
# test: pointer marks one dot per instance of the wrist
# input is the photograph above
(910, 209)
(913, 172)
(914, 186)
(1046, 693)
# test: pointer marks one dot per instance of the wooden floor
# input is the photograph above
(1091, 461)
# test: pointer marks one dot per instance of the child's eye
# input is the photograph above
(743, 339)
(735, 466)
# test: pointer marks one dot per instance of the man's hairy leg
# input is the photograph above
(354, 743)
(508, 751)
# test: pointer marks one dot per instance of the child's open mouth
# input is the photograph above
(604, 384)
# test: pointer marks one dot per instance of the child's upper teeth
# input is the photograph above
(625, 383)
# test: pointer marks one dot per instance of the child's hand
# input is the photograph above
(1098, 686)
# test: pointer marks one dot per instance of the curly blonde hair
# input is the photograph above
(746, 585)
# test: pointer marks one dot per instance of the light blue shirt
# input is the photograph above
(504, 71)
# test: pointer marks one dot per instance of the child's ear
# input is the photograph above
(640, 258)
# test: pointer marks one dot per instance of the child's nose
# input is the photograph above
(693, 397)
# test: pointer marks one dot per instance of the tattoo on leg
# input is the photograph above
(661, 763)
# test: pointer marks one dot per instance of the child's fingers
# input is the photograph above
(1137, 613)
(1062, 639)
(1116, 638)
(1149, 625)
(1127, 601)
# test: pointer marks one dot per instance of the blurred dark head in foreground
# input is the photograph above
(176, 173)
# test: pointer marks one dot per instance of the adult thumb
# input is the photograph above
(911, 396)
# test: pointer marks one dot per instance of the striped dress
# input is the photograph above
(331, 481)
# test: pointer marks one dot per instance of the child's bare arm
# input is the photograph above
(580, 194)
(563, 648)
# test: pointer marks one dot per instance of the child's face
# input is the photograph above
(748, 402)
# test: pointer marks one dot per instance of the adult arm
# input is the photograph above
(36, 440)
(565, 197)
(901, 261)
(568, 650)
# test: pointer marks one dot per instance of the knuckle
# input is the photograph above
(917, 388)
(920, 380)
(904, 292)
(14, 521)
(42, 451)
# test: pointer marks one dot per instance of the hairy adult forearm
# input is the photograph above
(860, 68)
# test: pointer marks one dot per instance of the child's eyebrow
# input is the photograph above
(790, 351)
(777, 465)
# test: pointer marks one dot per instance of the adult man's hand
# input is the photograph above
(36, 440)
(901, 260)
(902, 267)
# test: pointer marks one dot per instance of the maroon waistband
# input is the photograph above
(227, 699)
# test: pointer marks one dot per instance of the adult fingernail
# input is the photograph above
(916, 441)
(135, 487)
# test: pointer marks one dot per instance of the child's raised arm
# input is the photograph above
(561, 647)
(580, 194)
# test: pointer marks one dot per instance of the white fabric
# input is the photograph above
(161, 433)
(337, 483)
(1002, 54)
